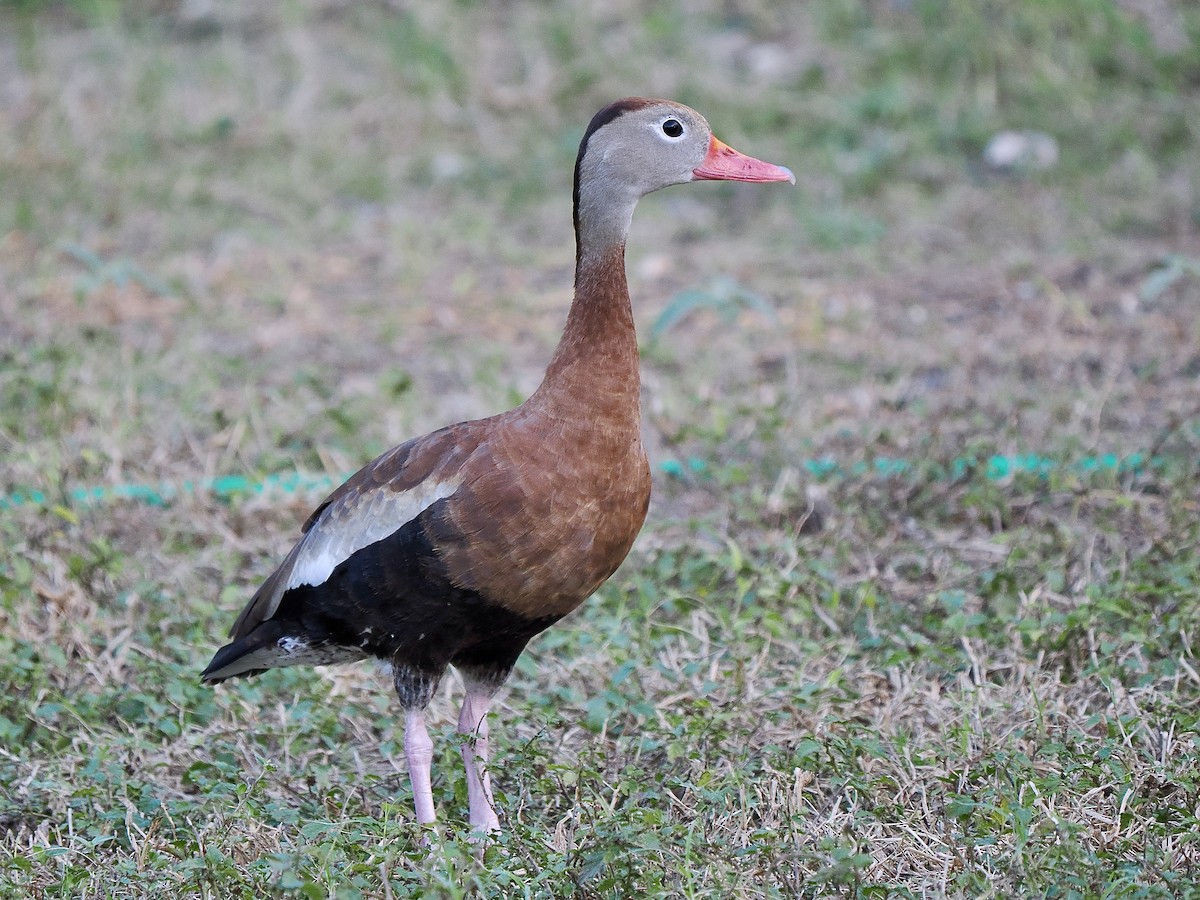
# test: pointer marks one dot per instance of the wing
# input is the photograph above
(376, 501)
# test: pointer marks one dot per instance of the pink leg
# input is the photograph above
(473, 724)
(418, 747)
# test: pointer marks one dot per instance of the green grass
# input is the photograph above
(279, 240)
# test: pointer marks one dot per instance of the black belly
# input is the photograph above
(395, 600)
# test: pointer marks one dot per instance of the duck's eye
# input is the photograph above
(672, 128)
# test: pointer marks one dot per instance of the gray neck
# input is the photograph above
(603, 213)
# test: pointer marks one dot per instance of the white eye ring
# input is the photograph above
(672, 128)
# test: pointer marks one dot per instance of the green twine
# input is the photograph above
(226, 487)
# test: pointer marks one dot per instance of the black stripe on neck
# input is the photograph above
(612, 111)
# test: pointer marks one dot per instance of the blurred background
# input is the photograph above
(349, 202)
(908, 421)
(368, 204)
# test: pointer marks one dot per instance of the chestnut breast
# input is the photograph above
(547, 510)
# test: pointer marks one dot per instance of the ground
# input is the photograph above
(915, 609)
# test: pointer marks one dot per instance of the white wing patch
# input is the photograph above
(344, 530)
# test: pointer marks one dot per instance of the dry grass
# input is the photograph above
(278, 240)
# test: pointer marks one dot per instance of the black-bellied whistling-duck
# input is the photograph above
(460, 546)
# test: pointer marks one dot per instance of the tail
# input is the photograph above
(256, 652)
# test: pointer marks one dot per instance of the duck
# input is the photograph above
(458, 547)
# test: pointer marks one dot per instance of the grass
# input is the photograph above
(277, 240)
